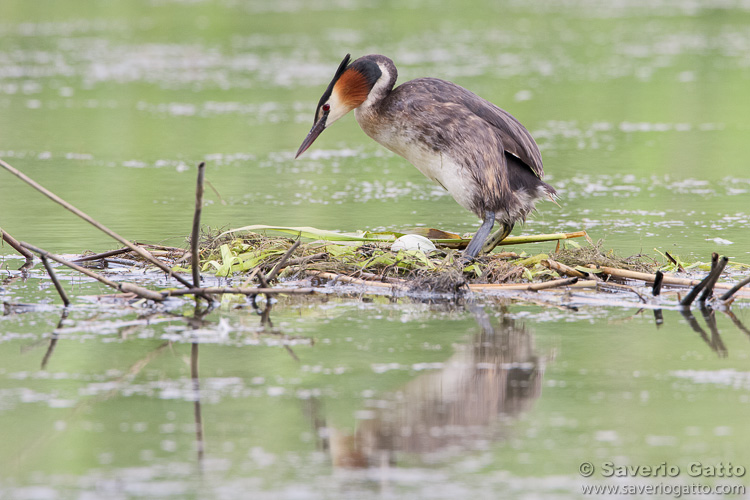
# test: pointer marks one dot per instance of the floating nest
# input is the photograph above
(369, 259)
(442, 270)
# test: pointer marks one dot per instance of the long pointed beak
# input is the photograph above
(314, 133)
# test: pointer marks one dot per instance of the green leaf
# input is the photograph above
(417, 255)
(473, 268)
(249, 260)
(532, 261)
(527, 274)
(340, 250)
(228, 258)
(379, 259)
(315, 233)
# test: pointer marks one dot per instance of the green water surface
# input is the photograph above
(641, 112)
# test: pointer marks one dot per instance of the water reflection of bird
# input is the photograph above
(478, 152)
(496, 378)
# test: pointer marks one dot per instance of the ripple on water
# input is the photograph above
(727, 377)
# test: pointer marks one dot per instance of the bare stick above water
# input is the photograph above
(562, 268)
(103, 255)
(53, 277)
(658, 280)
(238, 290)
(18, 248)
(275, 271)
(667, 280)
(52, 196)
(123, 287)
(708, 291)
(342, 278)
(708, 283)
(735, 289)
(195, 237)
(531, 287)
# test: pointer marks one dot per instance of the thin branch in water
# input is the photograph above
(53, 277)
(618, 286)
(355, 281)
(103, 255)
(658, 280)
(241, 291)
(263, 282)
(195, 238)
(714, 260)
(382, 277)
(121, 262)
(552, 284)
(707, 283)
(164, 248)
(717, 267)
(563, 269)
(52, 196)
(693, 293)
(482, 287)
(650, 278)
(735, 289)
(18, 248)
(250, 278)
(123, 287)
(275, 271)
(306, 260)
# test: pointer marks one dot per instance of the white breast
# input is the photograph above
(434, 165)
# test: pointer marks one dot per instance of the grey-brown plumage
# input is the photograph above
(481, 154)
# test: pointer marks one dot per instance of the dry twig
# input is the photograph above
(18, 248)
(55, 281)
(562, 268)
(194, 242)
(123, 287)
(707, 283)
(734, 289)
(275, 271)
(52, 196)
(238, 290)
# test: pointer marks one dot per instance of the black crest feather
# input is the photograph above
(327, 93)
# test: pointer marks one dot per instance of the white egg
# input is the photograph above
(413, 242)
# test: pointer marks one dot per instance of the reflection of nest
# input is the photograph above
(457, 407)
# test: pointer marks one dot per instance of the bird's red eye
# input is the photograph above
(326, 107)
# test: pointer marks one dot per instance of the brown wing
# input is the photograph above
(475, 133)
(513, 136)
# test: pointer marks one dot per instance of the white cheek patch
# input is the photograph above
(338, 108)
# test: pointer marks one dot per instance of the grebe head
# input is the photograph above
(351, 86)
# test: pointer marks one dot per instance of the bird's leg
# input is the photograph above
(477, 242)
(496, 237)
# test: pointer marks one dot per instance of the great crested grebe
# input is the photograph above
(476, 151)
